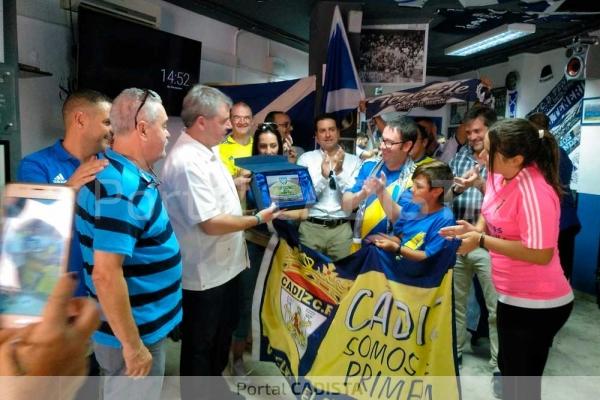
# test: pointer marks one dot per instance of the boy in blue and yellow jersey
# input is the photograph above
(416, 232)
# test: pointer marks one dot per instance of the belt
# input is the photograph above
(330, 223)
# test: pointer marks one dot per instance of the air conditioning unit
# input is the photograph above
(140, 11)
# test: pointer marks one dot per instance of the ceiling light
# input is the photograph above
(495, 37)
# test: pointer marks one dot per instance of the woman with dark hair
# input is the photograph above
(267, 140)
(519, 227)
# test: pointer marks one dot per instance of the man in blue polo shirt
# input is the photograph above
(72, 160)
(132, 263)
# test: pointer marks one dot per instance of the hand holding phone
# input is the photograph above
(57, 346)
(37, 225)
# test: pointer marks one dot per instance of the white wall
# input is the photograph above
(44, 45)
(529, 66)
(589, 162)
(228, 56)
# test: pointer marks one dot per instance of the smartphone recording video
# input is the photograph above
(37, 225)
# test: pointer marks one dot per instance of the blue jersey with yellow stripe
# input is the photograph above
(398, 181)
(420, 231)
(122, 212)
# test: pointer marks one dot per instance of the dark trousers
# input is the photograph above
(524, 339)
(209, 317)
(247, 283)
(566, 248)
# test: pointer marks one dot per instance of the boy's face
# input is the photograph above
(423, 193)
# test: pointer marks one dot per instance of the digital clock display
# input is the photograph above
(178, 80)
(129, 54)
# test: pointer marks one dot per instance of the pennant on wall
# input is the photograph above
(435, 93)
(563, 106)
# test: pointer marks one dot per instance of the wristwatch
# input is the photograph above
(398, 253)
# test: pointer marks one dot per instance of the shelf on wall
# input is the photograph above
(28, 71)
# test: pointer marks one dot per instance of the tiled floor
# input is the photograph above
(572, 371)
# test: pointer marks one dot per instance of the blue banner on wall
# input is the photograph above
(432, 94)
(563, 106)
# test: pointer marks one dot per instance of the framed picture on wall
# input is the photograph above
(393, 54)
(4, 162)
(590, 111)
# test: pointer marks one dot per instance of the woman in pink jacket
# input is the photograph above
(519, 226)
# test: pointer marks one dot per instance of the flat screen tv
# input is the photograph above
(115, 54)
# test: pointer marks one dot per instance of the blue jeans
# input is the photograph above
(118, 386)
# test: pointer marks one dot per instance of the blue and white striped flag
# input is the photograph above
(342, 89)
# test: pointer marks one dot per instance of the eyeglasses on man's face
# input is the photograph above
(147, 92)
(240, 118)
(387, 143)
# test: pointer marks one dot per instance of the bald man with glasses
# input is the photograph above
(239, 142)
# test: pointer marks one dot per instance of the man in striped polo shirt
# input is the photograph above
(131, 255)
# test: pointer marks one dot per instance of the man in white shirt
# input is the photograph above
(206, 215)
(332, 171)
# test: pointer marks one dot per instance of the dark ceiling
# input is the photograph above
(449, 22)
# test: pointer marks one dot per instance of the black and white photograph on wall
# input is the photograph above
(393, 54)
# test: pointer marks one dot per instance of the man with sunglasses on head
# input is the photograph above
(394, 169)
(130, 253)
(332, 171)
(205, 210)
